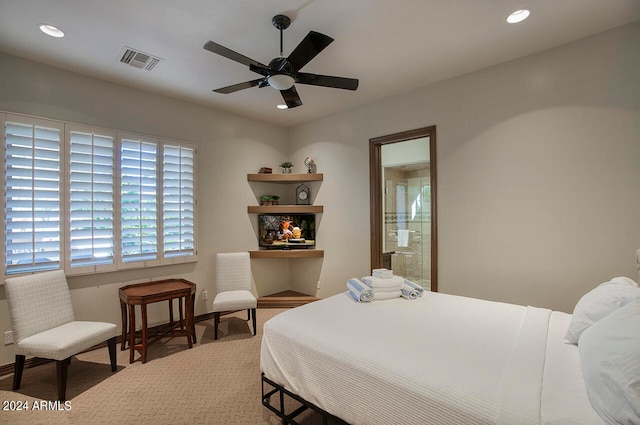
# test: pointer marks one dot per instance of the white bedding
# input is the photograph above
(440, 359)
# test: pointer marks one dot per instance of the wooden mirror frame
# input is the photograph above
(375, 186)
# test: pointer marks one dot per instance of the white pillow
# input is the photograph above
(610, 361)
(599, 302)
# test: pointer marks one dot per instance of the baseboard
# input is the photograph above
(37, 361)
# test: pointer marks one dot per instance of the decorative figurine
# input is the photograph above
(309, 163)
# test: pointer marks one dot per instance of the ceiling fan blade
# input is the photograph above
(240, 86)
(327, 81)
(308, 49)
(230, 54)
(259, 69)
(291, 97)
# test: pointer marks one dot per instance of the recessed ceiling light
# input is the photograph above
(282, 106)
(51, 30)
(518, 16)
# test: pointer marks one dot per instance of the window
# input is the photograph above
(91, 200)
(139, 200)
(178, 201)
(32, 196)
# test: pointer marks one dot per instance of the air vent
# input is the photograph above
(138, 59)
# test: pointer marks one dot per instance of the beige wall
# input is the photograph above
(538, 173)
(229, 147)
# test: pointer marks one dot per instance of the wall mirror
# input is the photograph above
(404, 234)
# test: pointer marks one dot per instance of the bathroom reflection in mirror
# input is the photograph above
(403, 220)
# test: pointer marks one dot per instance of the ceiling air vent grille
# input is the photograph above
(138, 59)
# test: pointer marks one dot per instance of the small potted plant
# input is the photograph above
(286, 167)
(269, 200)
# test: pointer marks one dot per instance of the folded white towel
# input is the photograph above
(359, 291)
(387, 295)
(403, 238)
(382, 273)
(411, 290)
(377, 283)
(385, 291)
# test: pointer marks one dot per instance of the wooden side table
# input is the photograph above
(150, 292)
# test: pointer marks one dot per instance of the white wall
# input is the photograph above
(538, 173)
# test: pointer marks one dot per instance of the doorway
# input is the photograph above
(403, 219)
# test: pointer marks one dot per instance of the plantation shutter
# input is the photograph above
(32, 197)
(178, 201)
(91, 199)
(138, 168)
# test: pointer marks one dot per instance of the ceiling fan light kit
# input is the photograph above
(281, 81)
(282, 73)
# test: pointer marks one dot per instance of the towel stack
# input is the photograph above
(382, 285)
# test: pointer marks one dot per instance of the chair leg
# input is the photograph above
(62, 366)
(216, 321)
(253, 314)
(17, 371)
(111, 343)
(248, 314)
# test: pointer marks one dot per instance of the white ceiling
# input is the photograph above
(391, 46)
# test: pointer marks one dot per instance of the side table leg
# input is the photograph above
(144, 332)
(193, 320)
(181, 312)
(189, 320)
(123, 340)
(132, 332)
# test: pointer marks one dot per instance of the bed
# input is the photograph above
(438, 359)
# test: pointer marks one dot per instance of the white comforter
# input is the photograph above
(440, 359)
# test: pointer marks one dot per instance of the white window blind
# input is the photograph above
(178, 201)
(91, 199)
(32, 197)
(139, 211)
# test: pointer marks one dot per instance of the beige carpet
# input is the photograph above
(215, 382)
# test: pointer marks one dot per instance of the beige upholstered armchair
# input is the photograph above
(233, 287)
(44, 325)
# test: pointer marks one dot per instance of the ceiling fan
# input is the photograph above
(282, 73)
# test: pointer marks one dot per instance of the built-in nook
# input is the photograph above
(293, 251)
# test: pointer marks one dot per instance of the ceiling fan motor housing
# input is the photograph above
(280, 66)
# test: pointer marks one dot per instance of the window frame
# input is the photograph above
(66, 128)
(92, 268)
(39, 122)
(134, 264)
(162, 219)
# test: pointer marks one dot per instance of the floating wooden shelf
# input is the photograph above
(287, 253)
(285, 178)
(284, 209)
(285, 299)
